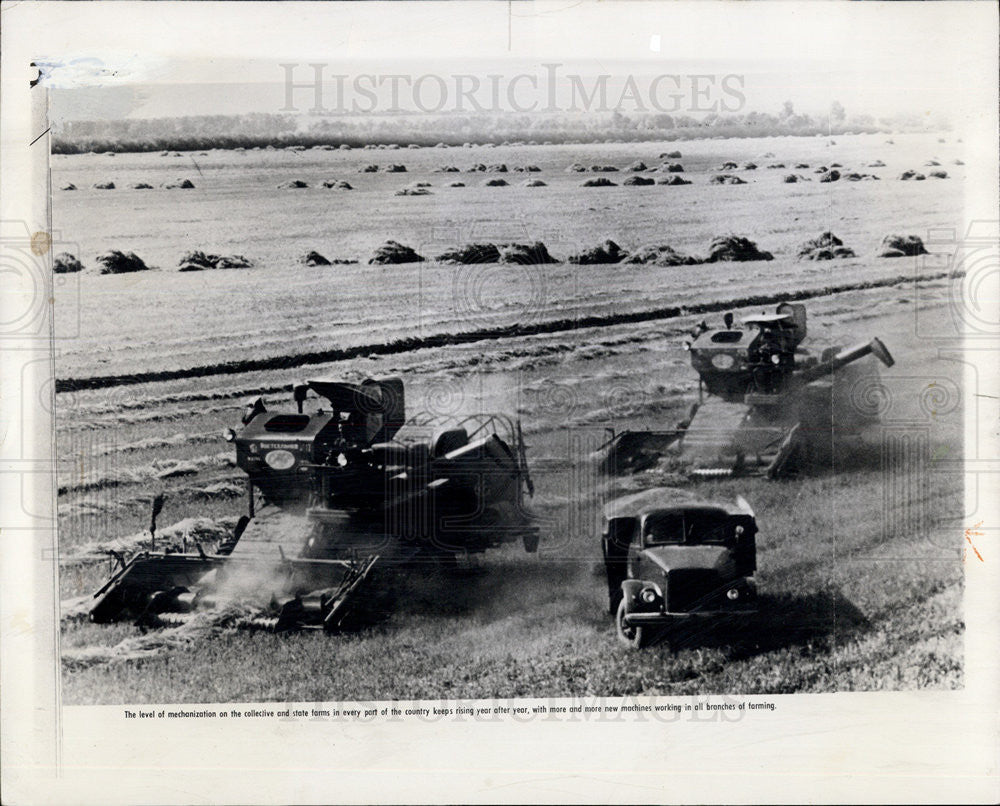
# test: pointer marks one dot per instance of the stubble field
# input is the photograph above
(860, 570)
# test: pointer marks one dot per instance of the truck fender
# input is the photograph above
(630, 590)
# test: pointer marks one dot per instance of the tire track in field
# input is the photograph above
(482, 334)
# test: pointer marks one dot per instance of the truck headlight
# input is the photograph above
(648, 595)
(279, 459)
(732, 594)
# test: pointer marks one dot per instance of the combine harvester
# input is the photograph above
(350, 486)
(765, 404)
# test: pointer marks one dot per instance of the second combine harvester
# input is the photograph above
(765, 404)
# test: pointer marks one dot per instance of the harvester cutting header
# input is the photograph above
(764, 402)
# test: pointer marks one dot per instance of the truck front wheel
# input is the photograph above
(634, 637)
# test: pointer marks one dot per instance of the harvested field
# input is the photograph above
(564, 344)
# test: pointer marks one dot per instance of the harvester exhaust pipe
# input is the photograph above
(299, 392)
(158, 500)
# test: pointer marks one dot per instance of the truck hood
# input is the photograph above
(671, 558)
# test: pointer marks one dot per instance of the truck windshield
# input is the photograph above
(688, 527)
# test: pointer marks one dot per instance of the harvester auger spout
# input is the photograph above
(841, 359)
(765, 404)
(351, 485)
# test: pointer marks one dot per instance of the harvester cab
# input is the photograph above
(733, 362)
(765, 403)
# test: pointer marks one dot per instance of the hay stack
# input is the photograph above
(901, 246)
(337, 184)
(393, 252)
(314, 259)
(499, 168)
(670, 155)
(525, 254)
(371, 168)
(603, 254)
(65, 263)
(117, 262)
(914, 175)
(599, 182)
(673, 180)
(776, 165)
(446, 169)
(180, 184)
(726, 179)
(528, 169)
(826, 247)
(638, 166)
(801, 166)
(141, 186)
(939, 174)
(472, 253)
(931, 164)
(68, 186)
(293, 184)
(639, 180)
(749, 166)
(603, 169)
(728, 166)
(735, 248)
(104, 185)
(956, 162)
(413, 191)
(495, 183)
(456, 184)
(576, 167)
(661, 255)
(830, 176)
(199, 261)
(672, 168)
(395, 168)
(533, 183)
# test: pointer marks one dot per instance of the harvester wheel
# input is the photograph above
(632, 637)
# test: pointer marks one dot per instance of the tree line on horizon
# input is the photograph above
(262, 129)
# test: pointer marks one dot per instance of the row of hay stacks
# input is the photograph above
(724, 248)
(827, 175)
(179, 184)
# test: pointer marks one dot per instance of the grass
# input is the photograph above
(834, 616)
